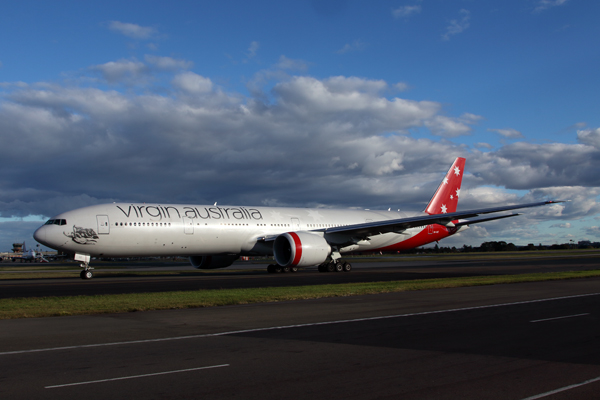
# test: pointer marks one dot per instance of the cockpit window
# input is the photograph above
(56, 222)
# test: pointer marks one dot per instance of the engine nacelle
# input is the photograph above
(300, 249)
(212, 262)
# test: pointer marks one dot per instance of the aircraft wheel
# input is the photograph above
(347, 267)
(86, 274)
(285, 269)
(271, 268)
(338, 266)
(330, 267)
(294, 269)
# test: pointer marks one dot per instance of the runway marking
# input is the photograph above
(563, 389)
(555, 318)
(271, 328)
(135, 376)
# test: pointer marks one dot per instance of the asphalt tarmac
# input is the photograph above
(519, 341)
(244, 275)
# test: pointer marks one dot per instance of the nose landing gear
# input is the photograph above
(85, 264)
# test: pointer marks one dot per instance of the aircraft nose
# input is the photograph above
(40, 235)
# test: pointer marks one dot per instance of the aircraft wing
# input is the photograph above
(399, 225)
(478, 220)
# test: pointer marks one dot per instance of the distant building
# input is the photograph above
(17, 247)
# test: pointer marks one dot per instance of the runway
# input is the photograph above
(514, 341)
(243, 275)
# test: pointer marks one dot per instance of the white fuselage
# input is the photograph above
(125, 230)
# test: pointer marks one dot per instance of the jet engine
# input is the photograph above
(212, 262)
(300, 249)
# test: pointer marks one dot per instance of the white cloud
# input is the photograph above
(508, 133)
(279, 72)
(357, 45)
(562, 226)
(401, 86)
(458, 25)
(483, 145)
(122, 70)
(546, 4)
(589, 137)
(381, 164)
(406, 11)
(168, 63)
(452, 127)
(593, 231)
(252, 50)
(192, 83)
(355, 100)
(132, 30)
(290, 64)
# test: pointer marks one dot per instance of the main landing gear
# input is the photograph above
(328, 266)
(275, 269)
(335, 266)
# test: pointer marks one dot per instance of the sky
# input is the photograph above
(339, 103)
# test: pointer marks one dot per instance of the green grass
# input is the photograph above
(101, 304)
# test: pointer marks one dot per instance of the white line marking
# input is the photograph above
(539, 396)
(566, 316)
(271, 328)
(135, 376)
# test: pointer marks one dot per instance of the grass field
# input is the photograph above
(101, 304)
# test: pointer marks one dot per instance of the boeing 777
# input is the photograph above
(215, 236)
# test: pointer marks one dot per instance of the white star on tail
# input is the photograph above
(456, 171)
(458, 192)
(445, 181)
(444, 209)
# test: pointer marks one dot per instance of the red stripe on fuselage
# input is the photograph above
(298, 245)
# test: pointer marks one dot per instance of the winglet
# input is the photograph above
(445, 198)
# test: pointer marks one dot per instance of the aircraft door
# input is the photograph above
(103, 225)
(295, 224)
(188, 225)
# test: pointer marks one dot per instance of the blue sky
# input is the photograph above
(307, 103)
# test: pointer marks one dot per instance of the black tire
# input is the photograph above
(294, 269)
(86, 274)
(339, 267)
(347, 267)
(330, 267)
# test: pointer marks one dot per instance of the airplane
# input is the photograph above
(215, 236)
(30, 256)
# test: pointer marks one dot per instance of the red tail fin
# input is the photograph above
(445, 198)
